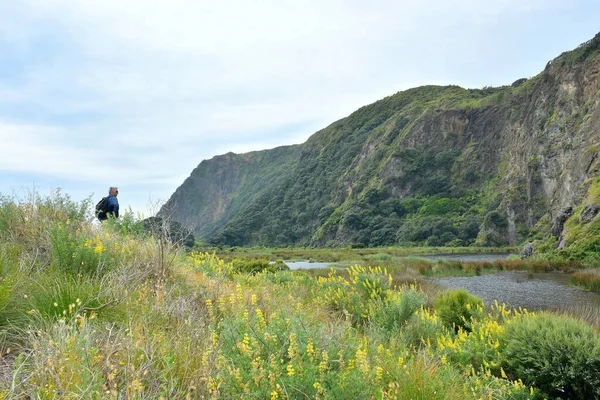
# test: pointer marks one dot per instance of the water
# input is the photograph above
(468, 257)
(543, 291)
(516, 289)
(308, 265)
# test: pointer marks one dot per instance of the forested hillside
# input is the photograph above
(430, 166)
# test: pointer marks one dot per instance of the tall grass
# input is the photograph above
(589, 279)
(107, 312)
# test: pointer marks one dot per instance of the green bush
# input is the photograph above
(254, 266)
(392, 315)
(422, 329)
(457, 307)
(557, 354)
(72, 252)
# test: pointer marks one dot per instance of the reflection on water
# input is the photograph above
(543, 291)
(468, 257)
(307, 265)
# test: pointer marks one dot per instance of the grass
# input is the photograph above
(144, 319)
(587, 278)
(344, 254)
(402, 259)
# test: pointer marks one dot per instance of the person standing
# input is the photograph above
(112, 205)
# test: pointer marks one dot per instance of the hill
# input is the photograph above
(431, 166)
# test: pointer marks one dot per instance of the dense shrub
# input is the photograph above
(424, 329)
(457, 307)
(254, 266)
(432, 229)
(392, 315)
(558, 354)
(497, 219)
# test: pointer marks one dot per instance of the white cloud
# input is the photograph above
(150, 88)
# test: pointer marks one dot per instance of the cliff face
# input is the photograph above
(431, 165)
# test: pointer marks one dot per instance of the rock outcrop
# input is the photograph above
(431, 165)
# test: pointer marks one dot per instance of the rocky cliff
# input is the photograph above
(431, 165)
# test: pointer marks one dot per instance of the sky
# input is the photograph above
(136, 93)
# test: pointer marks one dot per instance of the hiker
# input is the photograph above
(108, 205)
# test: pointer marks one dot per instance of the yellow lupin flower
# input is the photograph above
(290, 369)
(378, 373)
(323, 365)
(293, 349)
(261, 319)
(310, 349)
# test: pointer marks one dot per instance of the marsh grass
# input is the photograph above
(590, 313)
(349, 255)
(588, 278)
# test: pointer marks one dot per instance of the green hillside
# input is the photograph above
(437, 166)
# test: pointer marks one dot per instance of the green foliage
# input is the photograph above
(436, 231)
(557, 354)
(74, 253)
(582, 53)
(391, 316)
(254, 266)
(55, 296)
(457, 308)
(519, 82)
(151, 321)
(495, 218)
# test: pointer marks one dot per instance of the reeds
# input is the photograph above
(588, 278)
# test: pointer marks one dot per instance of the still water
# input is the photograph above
(516, 289)
(308, 265)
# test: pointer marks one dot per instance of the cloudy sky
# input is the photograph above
(136, 93)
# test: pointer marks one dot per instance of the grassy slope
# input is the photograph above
(104, 312)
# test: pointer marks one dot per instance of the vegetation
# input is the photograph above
(559, 355)
(135, 316)
(588, 278)
(433, 166)
(457, 308)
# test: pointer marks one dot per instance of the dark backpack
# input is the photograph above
(102, 208)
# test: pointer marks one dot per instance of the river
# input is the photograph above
(516, 289)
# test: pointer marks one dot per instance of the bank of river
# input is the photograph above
(468, 257)
(465, 257)
(517, 289)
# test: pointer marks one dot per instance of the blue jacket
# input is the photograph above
(113, 206)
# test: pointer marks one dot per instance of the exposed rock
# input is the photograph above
(559, 222)
(562, 243)
(589, 212)
(528, 250)
(528, 150)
